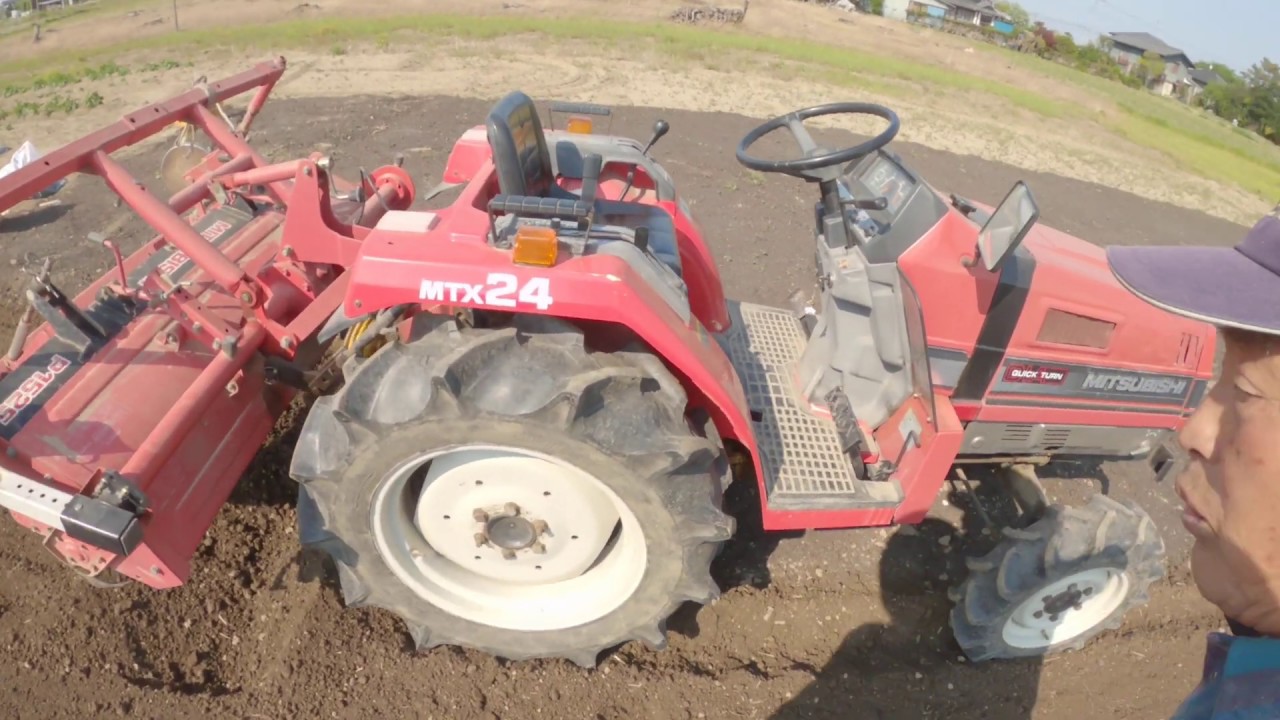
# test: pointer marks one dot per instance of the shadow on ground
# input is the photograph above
(911, 668)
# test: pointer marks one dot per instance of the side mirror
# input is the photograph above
(1007, 226)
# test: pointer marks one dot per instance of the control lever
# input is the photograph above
(660, 128)
(879, 203)
(591, 164)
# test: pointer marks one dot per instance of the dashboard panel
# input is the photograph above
(912, 207)
(887, 179)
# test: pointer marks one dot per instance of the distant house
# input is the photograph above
(982, 13)
(1204, 77)
(929, 8)
(927, 12)
(1128, 49)
(895, 9)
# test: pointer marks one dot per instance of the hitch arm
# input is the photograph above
(25, 182)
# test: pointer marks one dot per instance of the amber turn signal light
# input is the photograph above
(579, 125)
(535, 246)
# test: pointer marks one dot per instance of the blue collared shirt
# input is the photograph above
(1241, 681)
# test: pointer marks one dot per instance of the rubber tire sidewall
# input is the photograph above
(1107, 560)
(374, 463)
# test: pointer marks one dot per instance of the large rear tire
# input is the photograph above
(511, 491)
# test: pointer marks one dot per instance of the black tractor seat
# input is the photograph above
(522, 162)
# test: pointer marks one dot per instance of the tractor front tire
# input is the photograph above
(1056, 584)
(509, 490)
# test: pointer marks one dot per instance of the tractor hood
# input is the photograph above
(1057, 252)
(1076, 301)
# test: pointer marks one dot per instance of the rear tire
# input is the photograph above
(1058, 583)
(407, 472)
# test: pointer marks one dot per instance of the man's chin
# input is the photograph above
(1210, 574)
(1207, 572)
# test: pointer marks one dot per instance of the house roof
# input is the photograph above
(1147, 41)
(1205, 76)
(983, 6)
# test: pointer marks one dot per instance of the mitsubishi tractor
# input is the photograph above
(523, 409)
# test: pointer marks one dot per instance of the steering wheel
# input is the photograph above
(816, 165)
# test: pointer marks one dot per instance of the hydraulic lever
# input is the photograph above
(660, 128)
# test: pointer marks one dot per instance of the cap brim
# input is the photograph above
(1215, 285)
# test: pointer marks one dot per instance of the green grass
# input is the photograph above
(1202, 144)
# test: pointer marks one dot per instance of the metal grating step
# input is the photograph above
(803, 465)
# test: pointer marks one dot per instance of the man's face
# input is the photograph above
(1231, 488)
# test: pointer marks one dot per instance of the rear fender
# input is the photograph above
(595, 288)
(469, 155)
(706, 292)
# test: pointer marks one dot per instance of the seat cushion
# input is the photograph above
(663, 242)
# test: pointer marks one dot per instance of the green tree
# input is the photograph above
(1227, 100)
(1263, 81)
(1066, 46)
(1265, 74)
(877, 7)
(1251, 98)
(1150, 67)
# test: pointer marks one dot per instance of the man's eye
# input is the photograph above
(1246, 388)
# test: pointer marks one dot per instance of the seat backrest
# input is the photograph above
(520, 154)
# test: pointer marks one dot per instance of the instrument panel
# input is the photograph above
(885, 178)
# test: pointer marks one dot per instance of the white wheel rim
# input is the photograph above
(431, 541)
(1049, 618)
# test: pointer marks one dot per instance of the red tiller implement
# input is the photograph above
(131, 413)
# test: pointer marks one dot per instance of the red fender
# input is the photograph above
(469, 155)
(424, 258)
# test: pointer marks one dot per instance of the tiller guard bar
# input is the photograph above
(134, 410)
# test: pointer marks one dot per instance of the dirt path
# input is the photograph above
(966, 122)
(808, 627)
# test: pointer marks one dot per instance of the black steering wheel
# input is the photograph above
(816, 165)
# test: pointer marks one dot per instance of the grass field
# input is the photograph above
(1191, 140)
(1201, 141)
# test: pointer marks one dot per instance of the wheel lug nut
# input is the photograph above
(539, 527)
(538, 548)
(479, 515)
(480, 539)
(508, 554)
(511, 508)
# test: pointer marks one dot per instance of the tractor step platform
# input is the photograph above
(804, 465)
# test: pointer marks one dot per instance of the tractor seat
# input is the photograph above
(522, 163)
(662, 229)
(520, 155)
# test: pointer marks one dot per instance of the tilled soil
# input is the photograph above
(834, 624)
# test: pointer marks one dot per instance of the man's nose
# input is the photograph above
(1200, 433)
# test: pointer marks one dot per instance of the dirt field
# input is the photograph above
(826, 625)
(808, 627)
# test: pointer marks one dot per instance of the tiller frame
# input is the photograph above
(262, 308)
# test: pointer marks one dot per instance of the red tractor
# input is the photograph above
(529, 404)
